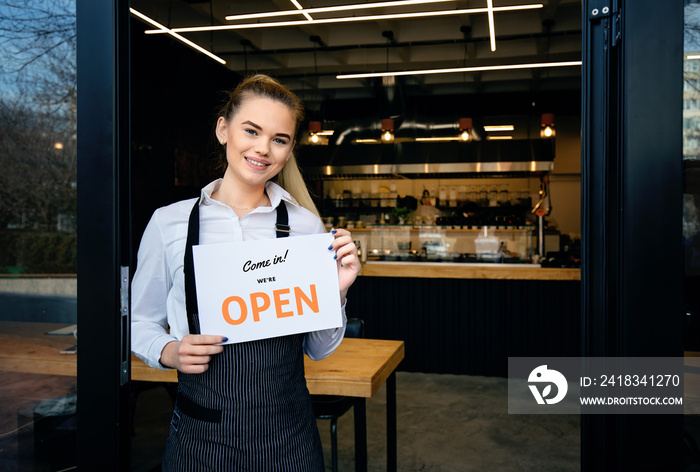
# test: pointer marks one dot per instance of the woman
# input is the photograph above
(240, 406)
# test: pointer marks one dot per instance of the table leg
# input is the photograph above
(391, 452)
(360, 415)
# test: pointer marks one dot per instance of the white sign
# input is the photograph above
(251, 290)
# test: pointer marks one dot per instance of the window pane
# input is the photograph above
(38, 332)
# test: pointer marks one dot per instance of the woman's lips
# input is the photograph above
(256, 162)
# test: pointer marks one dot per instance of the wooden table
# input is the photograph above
(358, 368)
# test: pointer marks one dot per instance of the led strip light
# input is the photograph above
(307, 11)
(169, 31)
(348, 19)
(460, 69)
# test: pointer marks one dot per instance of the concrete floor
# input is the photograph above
(460, 423)
(445, 423)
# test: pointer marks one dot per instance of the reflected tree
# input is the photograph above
(37, 114)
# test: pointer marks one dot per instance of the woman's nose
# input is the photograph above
(262, 148)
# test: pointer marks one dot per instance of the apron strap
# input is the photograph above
(190, 290)
(281, 228)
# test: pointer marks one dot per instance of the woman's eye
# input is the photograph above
(251, 131)
(280, 141)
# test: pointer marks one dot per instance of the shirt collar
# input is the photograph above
(274, 192)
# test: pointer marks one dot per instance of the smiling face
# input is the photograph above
(259, 140)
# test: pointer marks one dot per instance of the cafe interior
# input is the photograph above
(452, 138)
(373, 144)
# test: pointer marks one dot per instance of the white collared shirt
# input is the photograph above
(158, 288)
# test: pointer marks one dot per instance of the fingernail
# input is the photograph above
(335, 257)
(334, 231)
(330, 247)
(223, 340)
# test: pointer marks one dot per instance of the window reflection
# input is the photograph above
(38, 263)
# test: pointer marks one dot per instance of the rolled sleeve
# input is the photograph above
(321, 344)
(149, 293)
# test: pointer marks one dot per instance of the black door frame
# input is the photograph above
(631, 194)
(632, 266)
(103, 437)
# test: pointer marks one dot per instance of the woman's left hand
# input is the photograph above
(348, 262)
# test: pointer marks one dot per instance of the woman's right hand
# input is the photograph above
(192, 354)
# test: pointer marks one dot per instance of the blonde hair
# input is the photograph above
(260, 85)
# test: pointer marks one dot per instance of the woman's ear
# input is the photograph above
(221, 130)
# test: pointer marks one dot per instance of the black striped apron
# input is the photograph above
(251, 410)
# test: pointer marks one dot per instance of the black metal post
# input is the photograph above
(103, 243)
(631, 194)
(391, 446)
(360, 417)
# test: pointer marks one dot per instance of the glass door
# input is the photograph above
(38, 235)
(691, 215)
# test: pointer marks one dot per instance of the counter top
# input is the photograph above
(454, 270)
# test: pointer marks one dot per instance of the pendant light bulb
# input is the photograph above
(547, 130)
(387, 130)
(465, 129)
(315, 127)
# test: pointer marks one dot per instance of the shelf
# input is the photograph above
(454, 270)
(414, 229)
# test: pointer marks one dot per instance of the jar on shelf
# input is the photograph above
(442, 196)
(483, 195)
(453, 196)
(503, 198)
(493, 196)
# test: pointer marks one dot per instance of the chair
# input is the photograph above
(332, 407)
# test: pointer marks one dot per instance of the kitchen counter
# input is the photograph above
(455, 270)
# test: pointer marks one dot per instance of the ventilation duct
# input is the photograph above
(405, 157)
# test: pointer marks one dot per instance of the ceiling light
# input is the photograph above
(465, 129)
(436, 139)
(492, 29)
(299, 7)
(347, 19)
(300, 10)
(498, 138)
(547, 126)
(163, 29)
(460, 69)
(693, 56)
(368, 140)
(314, 129)
(499, 128)
(387, 130)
